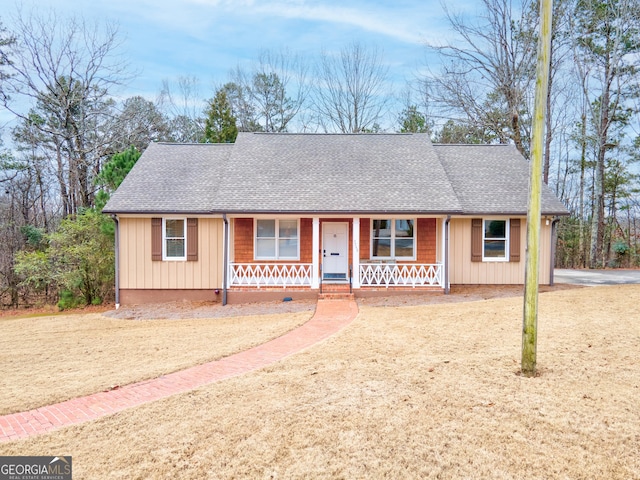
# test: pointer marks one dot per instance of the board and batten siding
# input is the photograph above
(463, 271)
(138, 271)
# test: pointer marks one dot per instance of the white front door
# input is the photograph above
(335, 251)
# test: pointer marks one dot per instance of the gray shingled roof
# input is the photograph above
(493, 179)
(172, 178)
(335, 173)
(328, 173)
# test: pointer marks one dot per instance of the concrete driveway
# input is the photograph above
(596, 277)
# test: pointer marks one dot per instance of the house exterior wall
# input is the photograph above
(139, 272)
(426, 240)
(143, 280)
(243, 240)
(462, 271)
(365, 239)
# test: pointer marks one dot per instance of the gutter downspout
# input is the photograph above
(554, 240)
(225, 257)
(446, 255)
(114, 217)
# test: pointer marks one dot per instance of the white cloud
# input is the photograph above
(406, 22)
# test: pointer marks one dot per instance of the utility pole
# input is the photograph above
(534, 217)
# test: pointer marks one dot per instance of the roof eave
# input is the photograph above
(160, 212)
(546, 213)
(341, 212)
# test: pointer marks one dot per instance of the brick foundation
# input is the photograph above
(140, 296)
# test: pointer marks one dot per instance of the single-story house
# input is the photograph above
(293, 215)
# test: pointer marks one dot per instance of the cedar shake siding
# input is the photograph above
(243, 242)
(426, 240)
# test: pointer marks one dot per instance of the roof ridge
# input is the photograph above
(473, 145)
(189, 144)
(334, 134)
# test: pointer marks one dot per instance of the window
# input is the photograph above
(276, 239)
(393, 238)
(174, 241)
(495, 240)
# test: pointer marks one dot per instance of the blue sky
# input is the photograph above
(206, 38)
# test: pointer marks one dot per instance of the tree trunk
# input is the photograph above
(64, 192)
(583, 166)
(517, 135)
(597, 220)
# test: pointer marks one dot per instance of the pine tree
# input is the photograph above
(220, 125)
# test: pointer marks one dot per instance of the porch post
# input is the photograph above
(315, 254)
(355, 249)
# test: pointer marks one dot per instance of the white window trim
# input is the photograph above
(164, 240)
(393, 238)
(506, 240)
(277, 240)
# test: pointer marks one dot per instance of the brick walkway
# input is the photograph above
(330, 317)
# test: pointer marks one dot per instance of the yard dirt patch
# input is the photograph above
(420, 391)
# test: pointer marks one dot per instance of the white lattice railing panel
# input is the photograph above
(269, 274)
(406, 275)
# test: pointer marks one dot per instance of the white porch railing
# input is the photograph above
(269, 274)
(299, 274)
(408, 274)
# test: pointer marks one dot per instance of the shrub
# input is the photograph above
(78, 258)
(68, 300)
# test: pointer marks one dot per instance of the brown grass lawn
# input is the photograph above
(49, 359)
(426, 391)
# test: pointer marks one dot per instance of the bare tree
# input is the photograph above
(352, 91)
(183, 103)
(486, 76)
(6, 42)
(280, 88)
(139, 123)
(560, 94)
(239, 99)
(65, 70)
(271, 93)
(416, 115)
(606, 58)
(26, 206)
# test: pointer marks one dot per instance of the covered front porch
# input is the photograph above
(364, 252)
